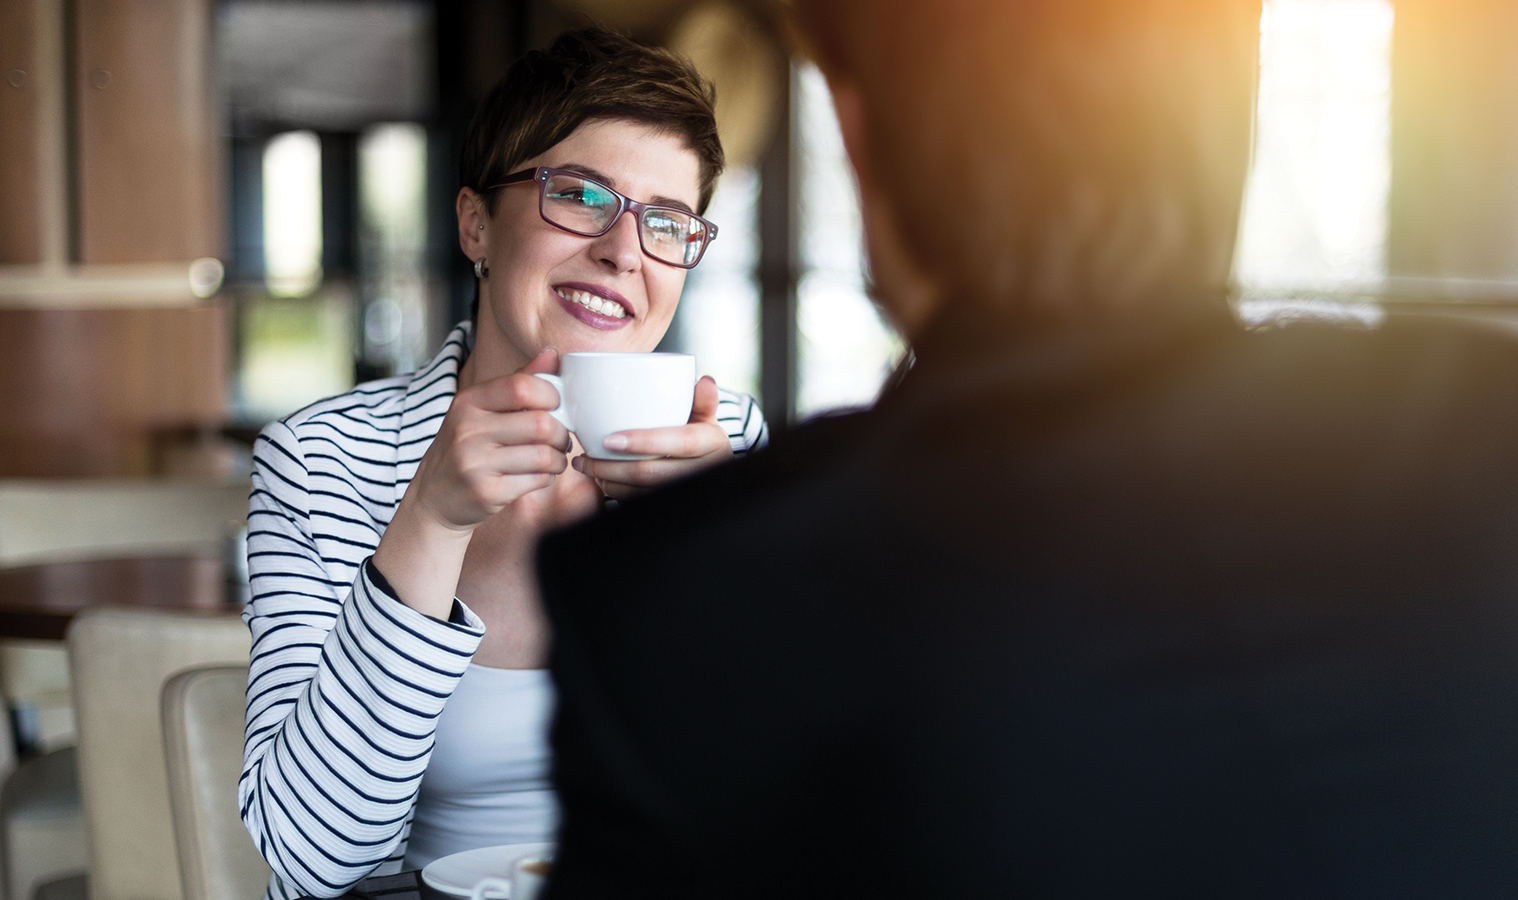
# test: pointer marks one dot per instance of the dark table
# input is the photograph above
(39, 601)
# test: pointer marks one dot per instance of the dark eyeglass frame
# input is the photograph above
(541, 174)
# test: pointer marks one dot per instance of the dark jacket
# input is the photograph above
(1143, 611)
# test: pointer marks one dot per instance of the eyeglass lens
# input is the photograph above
(586, 207)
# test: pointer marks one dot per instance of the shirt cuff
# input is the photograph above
(456, 614)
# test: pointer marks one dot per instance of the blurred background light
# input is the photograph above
(718, 316)
(1315, 214)
(846, 348)
(393, 279)
(292, 214)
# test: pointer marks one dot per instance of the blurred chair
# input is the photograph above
(202, 738)
(61, 520)
(43, 827)
(53, 520)
(119, 660)
(41, 824)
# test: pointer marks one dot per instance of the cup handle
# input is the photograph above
(559, 413)
(491, 887)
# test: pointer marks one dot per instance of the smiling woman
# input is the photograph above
(527, 299)
(397, 702)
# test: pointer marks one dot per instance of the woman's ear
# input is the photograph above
(470, 208)
(902, 288)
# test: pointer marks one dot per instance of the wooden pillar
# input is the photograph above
(110, 188)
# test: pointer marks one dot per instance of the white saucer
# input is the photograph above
(458, 873)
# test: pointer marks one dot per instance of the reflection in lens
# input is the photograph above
(577, 204)
(673, 236)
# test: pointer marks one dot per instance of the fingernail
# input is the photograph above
(616, 443)
(579, 463)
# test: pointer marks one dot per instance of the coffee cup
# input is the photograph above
(604, 393)
(528, 875)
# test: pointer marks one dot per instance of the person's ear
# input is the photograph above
(470, 208)
(907, 293)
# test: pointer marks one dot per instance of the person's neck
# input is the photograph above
(959, 330)
(489, 358)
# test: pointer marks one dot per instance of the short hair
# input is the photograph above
(588, 74)
(1051, 156)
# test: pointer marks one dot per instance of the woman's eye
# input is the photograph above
(582, 196)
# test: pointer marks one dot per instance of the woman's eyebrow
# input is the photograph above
(610, 182)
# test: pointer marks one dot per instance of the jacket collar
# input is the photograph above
(428, 396)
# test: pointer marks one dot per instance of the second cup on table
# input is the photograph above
(603, 393)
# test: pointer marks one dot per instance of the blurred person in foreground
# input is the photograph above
(1108, 597)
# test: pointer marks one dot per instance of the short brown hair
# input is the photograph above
(1054, 157)
(589, 74)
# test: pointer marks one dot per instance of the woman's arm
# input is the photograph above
(345, 687)
(497, 445)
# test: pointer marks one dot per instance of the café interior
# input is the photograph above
(214, 212)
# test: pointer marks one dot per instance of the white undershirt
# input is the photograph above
(487, 782)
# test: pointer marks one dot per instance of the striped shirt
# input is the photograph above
(346, 684)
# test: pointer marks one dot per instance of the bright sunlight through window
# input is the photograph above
(1315, 215)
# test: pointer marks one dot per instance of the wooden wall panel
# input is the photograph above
(20, 133)
(149, 176)
(94, 392)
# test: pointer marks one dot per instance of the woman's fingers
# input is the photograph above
(704, 407)
(480, 431)
(637, 473)
(680, 441)
(519, 390)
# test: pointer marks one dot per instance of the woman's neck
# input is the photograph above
(491, 357)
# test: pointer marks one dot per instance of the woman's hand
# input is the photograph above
(682, 450)
(496, 445)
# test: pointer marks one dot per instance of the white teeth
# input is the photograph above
(595, 304)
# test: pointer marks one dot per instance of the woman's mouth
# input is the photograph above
(592, 307)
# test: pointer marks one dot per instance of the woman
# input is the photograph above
(397, 704)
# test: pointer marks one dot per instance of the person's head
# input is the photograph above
(636, 118)
(1050, 159)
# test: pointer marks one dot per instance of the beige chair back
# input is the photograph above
(202, 739)
(50, 521)
(119, 660)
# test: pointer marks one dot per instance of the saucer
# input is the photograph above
(458, 873)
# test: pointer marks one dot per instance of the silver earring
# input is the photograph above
(479, 268)
(482, 227)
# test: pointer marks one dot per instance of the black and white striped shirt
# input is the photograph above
(346, 684)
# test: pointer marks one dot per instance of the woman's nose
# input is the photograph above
(619, 247)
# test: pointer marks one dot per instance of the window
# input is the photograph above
(1315, 217)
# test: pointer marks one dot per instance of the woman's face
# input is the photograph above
(542, 277)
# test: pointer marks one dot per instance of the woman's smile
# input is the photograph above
(598, 307)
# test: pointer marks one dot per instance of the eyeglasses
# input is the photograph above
(584, 206)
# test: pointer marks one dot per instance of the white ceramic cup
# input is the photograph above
(603, 393)
(528, 875)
